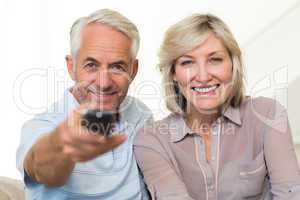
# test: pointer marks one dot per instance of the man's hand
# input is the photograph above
(80, 91)
(52, 158)
(77, 143)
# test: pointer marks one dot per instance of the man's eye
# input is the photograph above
(90, 65)
(118, 68)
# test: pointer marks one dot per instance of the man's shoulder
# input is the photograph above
(53, 115)
(133, 109)
(131, 102)
(58, 110)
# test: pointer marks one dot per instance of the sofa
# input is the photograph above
(11, 189)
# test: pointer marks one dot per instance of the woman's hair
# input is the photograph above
(110, 18)
(183, 37)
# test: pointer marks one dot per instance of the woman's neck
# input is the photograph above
(201, 122)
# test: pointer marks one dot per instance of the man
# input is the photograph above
(59, 158)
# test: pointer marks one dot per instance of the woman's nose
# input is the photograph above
(202, 73)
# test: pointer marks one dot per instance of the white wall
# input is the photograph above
(34, 41)
(272, 60)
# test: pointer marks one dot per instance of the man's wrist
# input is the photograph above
(57, 147)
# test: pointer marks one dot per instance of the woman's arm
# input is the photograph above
(160, 175)
(280, 155)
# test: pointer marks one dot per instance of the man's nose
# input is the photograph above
(103, 79)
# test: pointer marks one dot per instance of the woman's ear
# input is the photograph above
(71, 67)
(173, 72)
(174, 77)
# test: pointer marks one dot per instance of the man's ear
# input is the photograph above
(71, 67)
(134, 69)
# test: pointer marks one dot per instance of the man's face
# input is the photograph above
(104, 61)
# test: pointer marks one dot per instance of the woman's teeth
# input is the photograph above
(205, 89)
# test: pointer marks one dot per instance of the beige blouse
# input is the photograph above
(252, 156)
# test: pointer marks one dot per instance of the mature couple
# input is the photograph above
(216, 143)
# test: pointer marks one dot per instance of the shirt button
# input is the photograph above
(210, 188)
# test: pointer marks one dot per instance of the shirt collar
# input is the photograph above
(178, 128)
(233, 114)
(70, 101)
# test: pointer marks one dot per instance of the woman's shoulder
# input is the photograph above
(260, 102)
(158, 129)
(261, 106)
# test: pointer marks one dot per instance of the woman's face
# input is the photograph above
(204, 76)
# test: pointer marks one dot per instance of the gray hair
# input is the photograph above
(107, 17)
(184, 36)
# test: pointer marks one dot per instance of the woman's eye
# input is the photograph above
(215, 60)
(186, 62)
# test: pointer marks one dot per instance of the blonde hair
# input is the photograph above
(107, 17)
(183, 37)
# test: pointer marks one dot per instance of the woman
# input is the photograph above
(217, 143)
